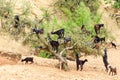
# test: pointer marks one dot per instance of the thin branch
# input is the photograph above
(68, 48)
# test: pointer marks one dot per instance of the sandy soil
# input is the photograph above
(44, 69)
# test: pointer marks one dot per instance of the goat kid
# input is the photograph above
(105, 59)
(112, 70)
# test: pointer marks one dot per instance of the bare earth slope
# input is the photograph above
(44, 69)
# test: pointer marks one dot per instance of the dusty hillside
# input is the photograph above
(44, 69)
(110, 23)
(7, 44)
(36, 6)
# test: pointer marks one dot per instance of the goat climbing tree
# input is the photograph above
(62, 60)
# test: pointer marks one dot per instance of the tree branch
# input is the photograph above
(68, 48)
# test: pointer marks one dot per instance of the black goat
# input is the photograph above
(54, 44)
(80, 62)
(60, 33)
(66, 40)
(98, 39)
(28, 59)
(113, 70)
(97, 28)
(102, 39)
(17, 21)
(105, 61)
(113, 44)
(38, 31)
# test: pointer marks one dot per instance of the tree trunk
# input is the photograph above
(62, 60)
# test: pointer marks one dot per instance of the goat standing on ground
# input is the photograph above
(113, 70)
(28, 59)
(105, 61)
(54, 44)
(80, 62)
(97, 28)
(60, 33)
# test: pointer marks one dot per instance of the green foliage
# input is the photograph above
(6, 7)
(75, 17)
(116, 5)
(73, 4)
(45, 54)
(93, 5)
(108, 1)
(26, 8)
(67, 12)
(82, 15)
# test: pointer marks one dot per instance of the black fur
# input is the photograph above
(28, 59)
(38, 31)
(60, 33)
(97, 28)
(98, 39)
(113, 44)
(102, 39)
(54, 44)
(105, 61)
(80, 62)
(66, 40)
(17, 21)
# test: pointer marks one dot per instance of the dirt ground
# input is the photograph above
(44, 69)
